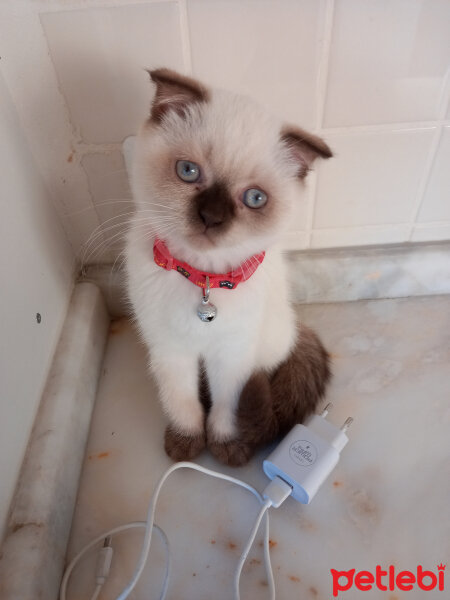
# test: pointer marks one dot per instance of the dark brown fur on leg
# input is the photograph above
(270, 405)
(255, 416)
(204, 393)
(180, 446)
(300, 382)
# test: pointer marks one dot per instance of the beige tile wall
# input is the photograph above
(371, 76)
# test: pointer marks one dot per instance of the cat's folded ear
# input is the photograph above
(304, 148)
(174, 92)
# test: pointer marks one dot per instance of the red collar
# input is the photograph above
(229, 281)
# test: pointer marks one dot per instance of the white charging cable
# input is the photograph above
(103, 565)
(298, 467)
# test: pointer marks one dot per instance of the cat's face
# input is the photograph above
(215, 172)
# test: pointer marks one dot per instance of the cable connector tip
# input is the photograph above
(104, 560)
(277, 491)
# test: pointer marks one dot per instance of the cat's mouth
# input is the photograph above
(205, 237)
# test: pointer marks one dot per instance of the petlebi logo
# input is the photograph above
(388, 580)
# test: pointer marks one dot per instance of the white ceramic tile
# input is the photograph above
(388, 60)
(436, 202)
(390, 374)
(31, 80)
(100, 56)
(303, 206)
(269, 50)
(372, 178)
(108, 183)
(294, 240)
(430, 232)
(79, 75)
(359, 236)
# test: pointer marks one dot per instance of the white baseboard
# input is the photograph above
(360, 274)
(33, 552)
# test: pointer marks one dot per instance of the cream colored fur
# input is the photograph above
(233, 139)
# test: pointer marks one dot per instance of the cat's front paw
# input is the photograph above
(180, 446)
(234, 453)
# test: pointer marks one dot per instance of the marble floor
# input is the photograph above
(387, 502)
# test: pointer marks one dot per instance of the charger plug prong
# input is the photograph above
(326, 410)
(347, 424)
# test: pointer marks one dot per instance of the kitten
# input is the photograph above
(215, 179)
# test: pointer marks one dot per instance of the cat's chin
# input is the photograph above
(204, 240)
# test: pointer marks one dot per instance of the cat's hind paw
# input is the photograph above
(181, 446)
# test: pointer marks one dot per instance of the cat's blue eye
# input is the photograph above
(254, 198)
(188, 171)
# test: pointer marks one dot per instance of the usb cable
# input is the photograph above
(297, 467)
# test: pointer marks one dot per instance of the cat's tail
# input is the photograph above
(272, 403)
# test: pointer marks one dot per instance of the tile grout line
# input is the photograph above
(50, 6)
(324, 63)
(185, 36)
(384, 127)
(427, 224)
(423, 184)
(366, 227)
(431, 160)
(321, 91)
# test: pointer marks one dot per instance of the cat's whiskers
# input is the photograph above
(101, 230)
(165, 229)
(121, 257)
(113, 201)
(162, 205)
(116, 238)
(145, 222)
(96, 205)
(103, 223)
(241, 266)
(97, 240)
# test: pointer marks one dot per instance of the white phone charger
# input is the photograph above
(307, 455)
